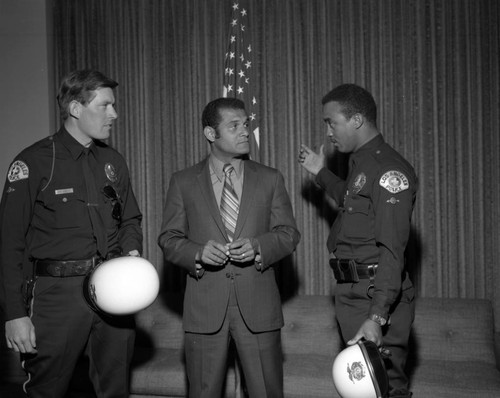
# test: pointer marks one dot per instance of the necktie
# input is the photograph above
(229, 204)
(93, 203)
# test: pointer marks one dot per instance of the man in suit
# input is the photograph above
(231, 291)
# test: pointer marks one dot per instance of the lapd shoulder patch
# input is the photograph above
(18, 171)
(394, 181)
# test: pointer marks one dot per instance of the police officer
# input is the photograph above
(374, 295)
(67, 205)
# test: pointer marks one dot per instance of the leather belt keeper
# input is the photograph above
(64, 269)
(348, 271)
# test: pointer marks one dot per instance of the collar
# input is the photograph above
(370, 146)
(72, 145)
(216, 165)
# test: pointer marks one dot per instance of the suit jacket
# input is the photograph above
(191, 218)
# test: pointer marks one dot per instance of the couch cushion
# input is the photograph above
(453, 330)
(310, 326)
(161, 371)
(158, 371)
(160, 325)
(455, 379)
(307, 375)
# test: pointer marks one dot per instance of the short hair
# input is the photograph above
(353, 99)
(79, 86)
(211, 115)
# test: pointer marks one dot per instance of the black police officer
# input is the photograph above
(374, 295)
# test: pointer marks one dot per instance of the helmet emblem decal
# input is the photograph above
(110, 171)
(356, 371)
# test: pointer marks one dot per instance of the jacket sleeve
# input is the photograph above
(283, 235)
(173, 239)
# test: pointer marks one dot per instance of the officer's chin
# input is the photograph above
(103, 135)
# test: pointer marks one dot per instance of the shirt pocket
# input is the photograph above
(65, 207)
(357, 222)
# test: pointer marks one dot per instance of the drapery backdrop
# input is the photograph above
(432, 66)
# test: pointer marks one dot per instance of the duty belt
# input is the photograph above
(349, 271)
(65, 268)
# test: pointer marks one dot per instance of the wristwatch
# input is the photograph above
(378, 319)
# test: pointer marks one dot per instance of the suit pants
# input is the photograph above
(352, 306)
(259, 353)
(65, 328)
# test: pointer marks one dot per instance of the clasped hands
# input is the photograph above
(239, 251)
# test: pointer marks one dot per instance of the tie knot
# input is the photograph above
(228, 169)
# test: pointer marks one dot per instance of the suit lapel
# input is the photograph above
(250, 183)
(208, 194)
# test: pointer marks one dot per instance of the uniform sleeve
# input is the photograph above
(334, 186)
(16, 211)
(393, 200)
(130, 232)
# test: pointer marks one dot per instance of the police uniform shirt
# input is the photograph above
(44, 214)
(373, 225)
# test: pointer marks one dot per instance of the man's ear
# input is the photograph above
(209, 133)
(75, 109)
(358, 119)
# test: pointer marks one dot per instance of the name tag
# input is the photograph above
(64, 191)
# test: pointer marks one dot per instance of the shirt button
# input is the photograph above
(65, 199)
(350, 209)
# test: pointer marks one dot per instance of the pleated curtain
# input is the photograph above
(432, 66)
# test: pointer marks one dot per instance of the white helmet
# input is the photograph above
(122, 285)
(359, 372)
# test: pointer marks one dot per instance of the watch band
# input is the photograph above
(378, 319)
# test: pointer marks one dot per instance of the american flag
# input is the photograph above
(239, 72)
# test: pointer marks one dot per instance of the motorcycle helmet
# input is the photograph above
(359, 372)
(122, 285)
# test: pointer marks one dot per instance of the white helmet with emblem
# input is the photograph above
(122, 285)
(359, 372)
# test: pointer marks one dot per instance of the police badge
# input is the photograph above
(359, 183)
(110, 171)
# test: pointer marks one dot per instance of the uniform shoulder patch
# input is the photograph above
(394, 181)
(18, 171)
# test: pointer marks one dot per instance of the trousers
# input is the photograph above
(260, 356)
(352, 306)
(65, 328)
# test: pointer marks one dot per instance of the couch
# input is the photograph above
(452, 350)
